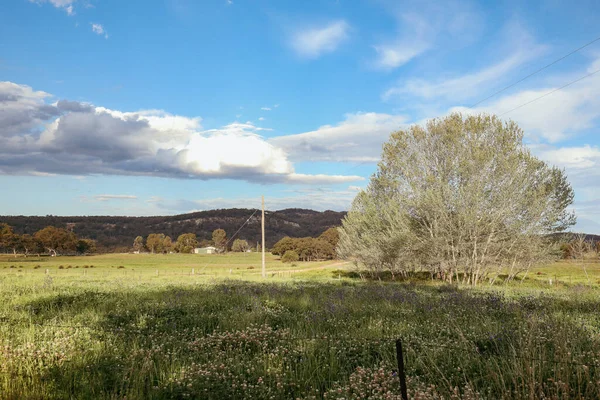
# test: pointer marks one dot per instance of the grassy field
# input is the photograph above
(106, 332)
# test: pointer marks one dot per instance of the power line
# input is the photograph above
(550, 92)
(238, 231)
(535, 72)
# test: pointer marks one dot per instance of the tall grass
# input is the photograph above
(125, 338)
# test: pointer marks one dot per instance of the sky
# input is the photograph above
(163, 107)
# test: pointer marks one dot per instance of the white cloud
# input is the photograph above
(314, 42)
(575, 158)
(266, 108)
(319, 199)
(554, 118)
(85, 139)
(465, 86)
(416, 40)
(99, 30)
(358, 138)
(261, 118)
(107, 197)
(66, 5)
(588, 216)
(421, 26)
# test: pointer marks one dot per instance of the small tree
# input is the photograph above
(283, 245)
(186, 243)
(167, 244)
(155, 242)
(332, 236)
(240, 245)
(290, 256)
(85, 246)
(138, 244)
(219, 238)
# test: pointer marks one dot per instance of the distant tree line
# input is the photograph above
(308, 248)
(117, 233)
(187, 242)
(51, 240)
(580, 247)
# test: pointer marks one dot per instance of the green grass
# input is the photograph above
(225, 332)
(171, 267)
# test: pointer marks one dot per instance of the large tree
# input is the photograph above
(56, 240)
(461, 197)
(7, 236)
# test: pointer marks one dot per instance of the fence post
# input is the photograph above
(401, 373)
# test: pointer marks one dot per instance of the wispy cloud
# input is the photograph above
(467, 85)
(415, 40)
(313, 42)
(106, 197)
(318, 198)
(358, 138)
(66, 5)
(266, 108)
(421, 26)
(99, 30)
(554, 118)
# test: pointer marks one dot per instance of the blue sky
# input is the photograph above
(163, 107)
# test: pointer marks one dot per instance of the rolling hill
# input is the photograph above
(114, 233)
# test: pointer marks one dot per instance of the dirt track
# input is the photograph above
(295, 271)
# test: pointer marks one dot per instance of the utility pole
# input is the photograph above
(264, 269)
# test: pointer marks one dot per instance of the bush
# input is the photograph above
(290, 256)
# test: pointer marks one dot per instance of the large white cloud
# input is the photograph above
(76, 138)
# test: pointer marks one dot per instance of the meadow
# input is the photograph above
(209, 326)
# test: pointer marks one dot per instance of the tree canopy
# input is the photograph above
(219, 238)
(186, 243)
(461, 197)
(240, 245)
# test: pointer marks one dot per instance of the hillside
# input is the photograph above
(112, 233)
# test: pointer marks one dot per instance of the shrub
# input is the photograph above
(290, 256)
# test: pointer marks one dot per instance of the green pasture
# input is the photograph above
(166, 268)
(224, 332)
